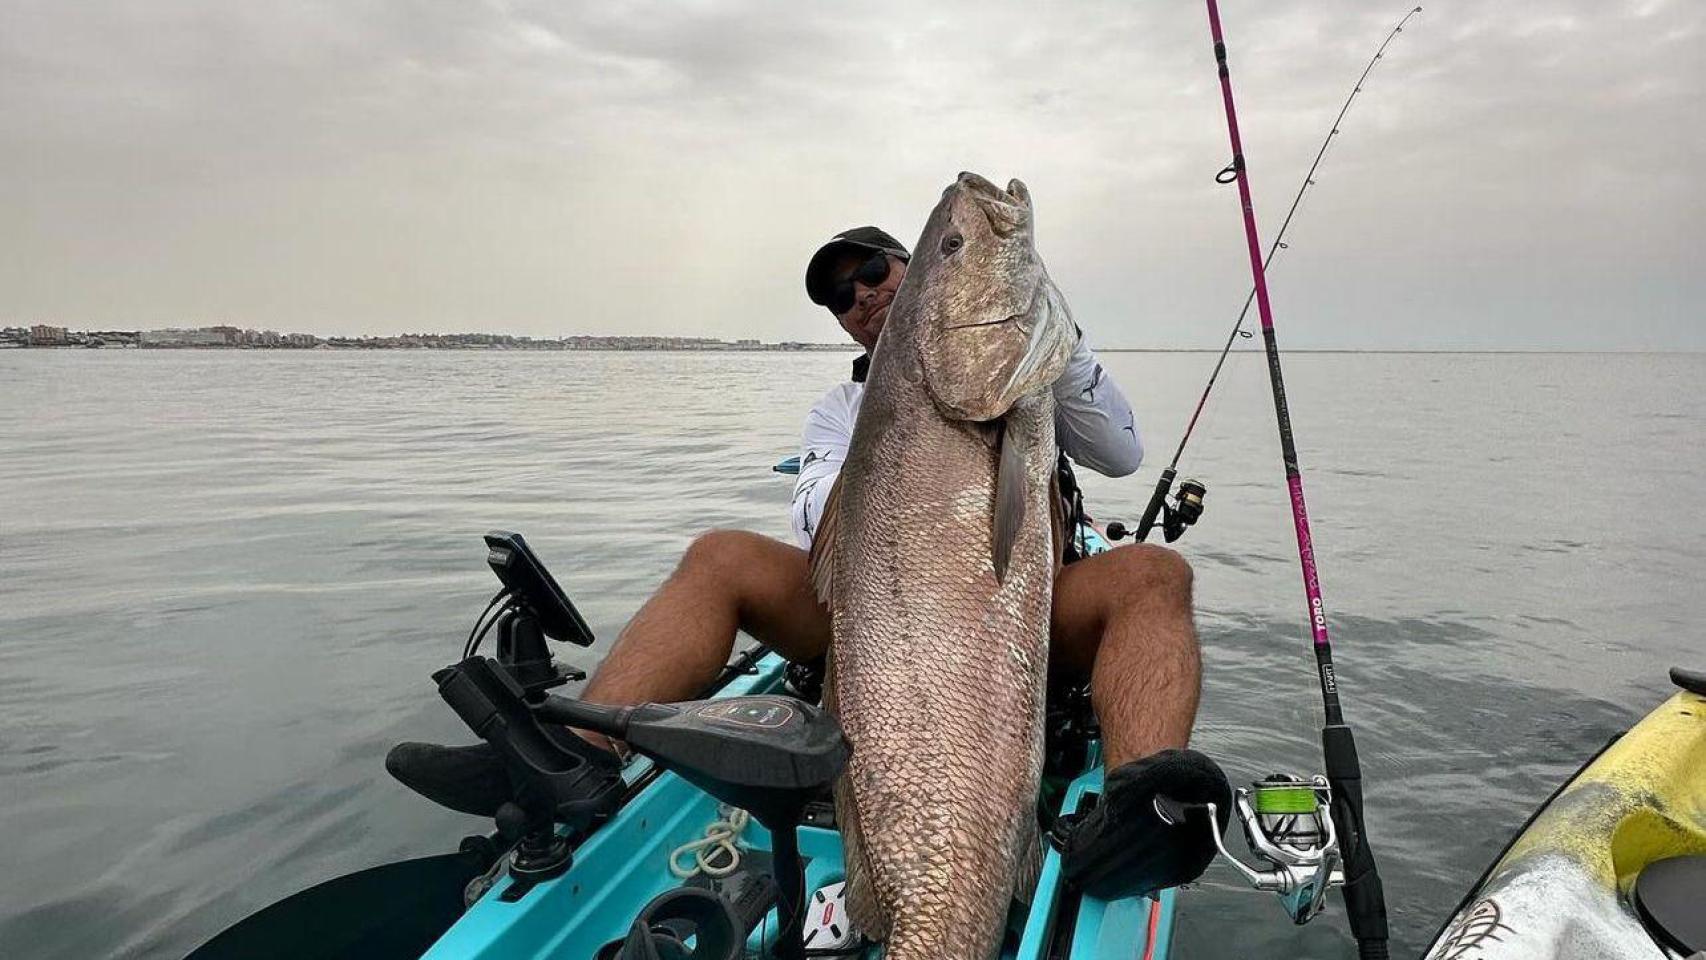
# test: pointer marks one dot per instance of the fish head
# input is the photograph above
(991, 326)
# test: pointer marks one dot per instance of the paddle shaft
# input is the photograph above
(1364, 898)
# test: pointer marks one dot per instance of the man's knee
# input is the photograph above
(718, 554)
(764, 582)
(1150, 572)
(745, 567)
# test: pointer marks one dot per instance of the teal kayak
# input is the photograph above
(631, 861)
(1614, 865)
(626, 863)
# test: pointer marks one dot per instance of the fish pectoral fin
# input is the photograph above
(1009, 498)
(1057, 521)
(821, 560)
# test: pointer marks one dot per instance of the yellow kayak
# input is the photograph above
(1614, 865)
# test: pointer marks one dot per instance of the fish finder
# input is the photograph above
(532, 589)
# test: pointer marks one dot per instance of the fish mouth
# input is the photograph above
(979, 184)
(1006, 210)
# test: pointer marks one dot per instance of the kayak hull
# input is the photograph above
(625, 864)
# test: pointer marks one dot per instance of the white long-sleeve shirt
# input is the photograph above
(1093, 424)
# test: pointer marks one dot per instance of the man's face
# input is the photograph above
(864, 320)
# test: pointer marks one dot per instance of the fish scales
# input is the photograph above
(939, 664)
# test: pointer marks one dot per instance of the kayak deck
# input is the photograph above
(624, 864)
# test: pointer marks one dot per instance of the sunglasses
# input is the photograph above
(871, 273)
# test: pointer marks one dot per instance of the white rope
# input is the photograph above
(717, 853)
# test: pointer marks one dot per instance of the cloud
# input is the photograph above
(1509, 177)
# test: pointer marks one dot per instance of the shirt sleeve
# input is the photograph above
(823, 449)
(1093, 420)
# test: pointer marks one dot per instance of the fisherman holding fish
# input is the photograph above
(893, 520)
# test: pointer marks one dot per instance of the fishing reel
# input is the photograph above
(1288, 824)
(1184, 511)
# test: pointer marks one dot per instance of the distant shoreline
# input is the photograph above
(225, 337)
(354, 348)
(832, 348)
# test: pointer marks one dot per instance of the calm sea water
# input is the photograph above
(225, 578)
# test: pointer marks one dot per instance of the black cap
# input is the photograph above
(859, 238)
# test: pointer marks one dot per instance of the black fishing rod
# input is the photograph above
(1190, 491)
(1365, 901)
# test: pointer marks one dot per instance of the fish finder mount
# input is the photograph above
(533, 607)
(556, 783)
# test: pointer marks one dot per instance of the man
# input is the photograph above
(1121, 619)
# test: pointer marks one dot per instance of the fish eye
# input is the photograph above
(952, 243)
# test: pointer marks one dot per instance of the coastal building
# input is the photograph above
(178, 337)
(43, 335)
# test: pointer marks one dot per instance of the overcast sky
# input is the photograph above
(1515, 174)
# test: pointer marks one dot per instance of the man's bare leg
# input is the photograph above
(1124, 618)
(728, 580)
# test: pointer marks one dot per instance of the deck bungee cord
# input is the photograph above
(717, 853)
(1311, 831)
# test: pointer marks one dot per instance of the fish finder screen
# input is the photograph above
(532, 587)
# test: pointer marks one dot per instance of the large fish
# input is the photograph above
(937, 558)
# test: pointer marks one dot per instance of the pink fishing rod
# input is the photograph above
(1157, 506)
(1364, 899)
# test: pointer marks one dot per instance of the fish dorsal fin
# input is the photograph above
(821, 559)
(1009, 497)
